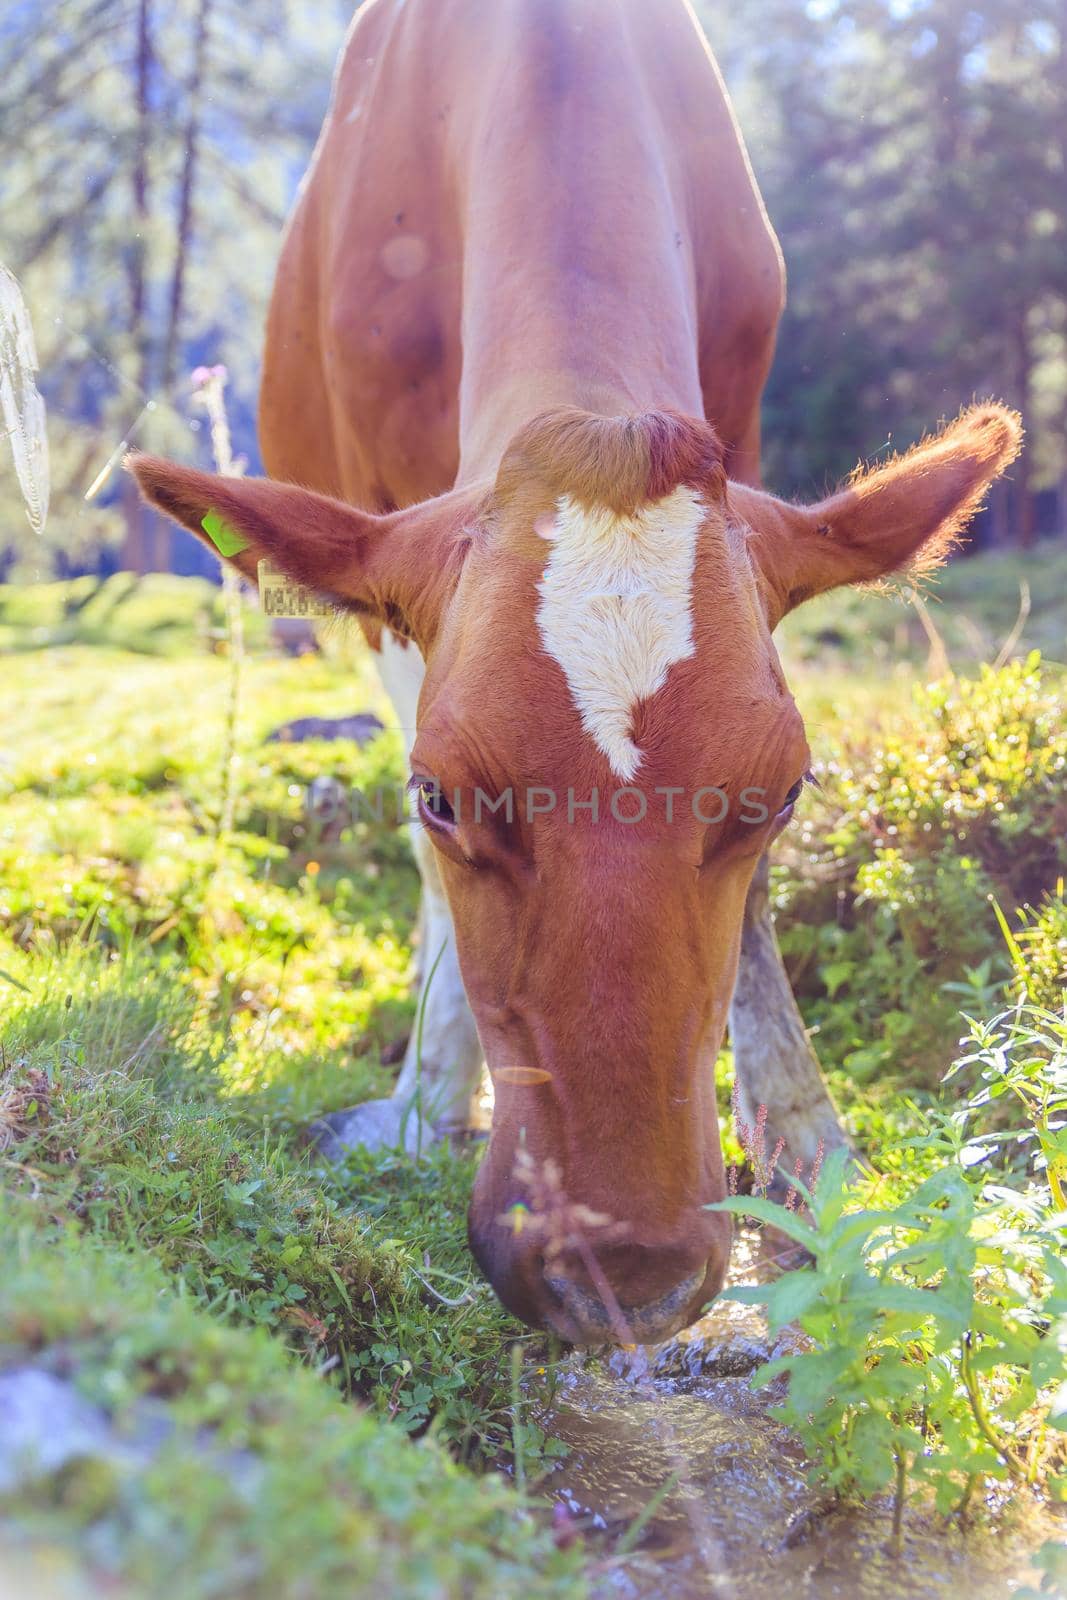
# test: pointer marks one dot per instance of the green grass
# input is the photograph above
(155, 615)
(264, 1486)
(138, 1132)
(131, 1162)
(973, 604)
(856, 655)
(132, 1137)
(176, 1008)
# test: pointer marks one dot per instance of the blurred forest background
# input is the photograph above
(912, 153)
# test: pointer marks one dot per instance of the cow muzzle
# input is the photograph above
(582, 1317)
(636, 1293)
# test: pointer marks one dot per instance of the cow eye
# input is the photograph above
(434, 805)
(796, 791)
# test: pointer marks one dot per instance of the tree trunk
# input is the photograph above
(186, 190)
(137, 516)
(1024, 500)
(183, 242)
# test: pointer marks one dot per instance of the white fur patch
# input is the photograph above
(615, 609)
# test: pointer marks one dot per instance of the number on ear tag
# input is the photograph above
(281, 597)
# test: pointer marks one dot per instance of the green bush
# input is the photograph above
(887, 893)
(1042, 946)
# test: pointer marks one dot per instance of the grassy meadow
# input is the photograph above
(177, 1004)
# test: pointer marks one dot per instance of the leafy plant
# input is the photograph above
(1022, 1053)
(936, 1327)
(1040, 951)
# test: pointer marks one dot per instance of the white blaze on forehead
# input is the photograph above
(615, 609)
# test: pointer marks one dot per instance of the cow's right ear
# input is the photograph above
(398, 569)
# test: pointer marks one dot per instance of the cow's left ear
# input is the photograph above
(905, 514)
(397, 569)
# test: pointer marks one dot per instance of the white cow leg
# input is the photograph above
(443, 1074)
(774, 1063)
(441, 1078)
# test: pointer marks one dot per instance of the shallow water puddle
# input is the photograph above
(741, 1521)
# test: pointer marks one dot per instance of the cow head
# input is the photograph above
(605, 746)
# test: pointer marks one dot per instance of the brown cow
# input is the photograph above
(530, 294)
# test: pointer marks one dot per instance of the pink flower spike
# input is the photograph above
(794, 1194)
(741, 1127)
(816, 1166)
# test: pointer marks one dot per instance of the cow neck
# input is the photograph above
(570, 300)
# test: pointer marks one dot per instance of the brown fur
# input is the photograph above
(449, 312)
(617, 462)
(398, 569)
(904, 514)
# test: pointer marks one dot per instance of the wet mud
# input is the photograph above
(741, 1519)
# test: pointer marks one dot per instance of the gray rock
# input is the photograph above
(362, 728)
(45, 1424)
(373, 1125)
(736, 1356)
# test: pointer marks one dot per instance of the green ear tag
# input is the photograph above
(227, 541)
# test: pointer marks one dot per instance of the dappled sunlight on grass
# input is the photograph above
(297, 950)
(857, 655)
(90, 719)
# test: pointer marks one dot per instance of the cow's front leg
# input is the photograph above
(774, 1063)
(442, 1073)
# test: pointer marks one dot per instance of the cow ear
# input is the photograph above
(395, 569)
(905, 514)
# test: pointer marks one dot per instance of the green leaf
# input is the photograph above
(835, 974)
(789, 1296)
(831, 1187)
(340, 1285)
(761, 1210)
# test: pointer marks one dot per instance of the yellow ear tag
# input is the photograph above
(280, 596)
(227, 541)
